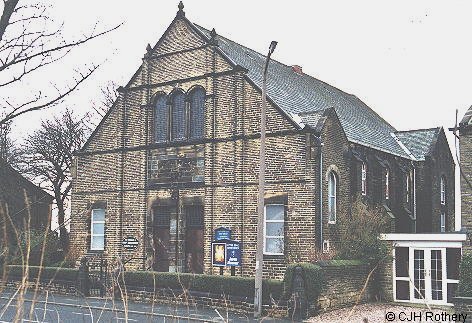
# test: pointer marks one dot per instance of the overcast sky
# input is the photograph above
(410, 61)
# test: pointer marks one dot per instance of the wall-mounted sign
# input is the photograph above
(222, 233)
(130, 243)
(218, 254)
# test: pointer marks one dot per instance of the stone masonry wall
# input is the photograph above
(466, 190)
(343, 285)
(112, 169)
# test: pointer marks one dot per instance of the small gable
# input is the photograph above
(419, 142)
(179, 36)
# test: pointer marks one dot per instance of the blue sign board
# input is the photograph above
(222, 233)
(233, 253)
(226, 253)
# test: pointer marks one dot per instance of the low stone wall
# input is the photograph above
(343, 284)
(463, 305)
(56, 287)
(165, 296)
(193, 299)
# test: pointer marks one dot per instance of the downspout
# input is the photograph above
(122, 91)
(147, 60)
(320, 147)
(414, 197)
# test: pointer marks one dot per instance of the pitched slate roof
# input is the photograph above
(467, 117)
(298, 93)
(6, 170)
(419, 142)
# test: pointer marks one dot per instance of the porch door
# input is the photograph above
(161, 237)
(194, 239)
(428, 272)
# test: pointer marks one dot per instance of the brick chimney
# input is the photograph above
(297, 69)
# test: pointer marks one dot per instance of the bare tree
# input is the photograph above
(30, 41)
(109, 94)
(49, 156)
(9, 150)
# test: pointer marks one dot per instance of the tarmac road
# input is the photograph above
(59, 308)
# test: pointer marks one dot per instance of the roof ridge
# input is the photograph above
(244, 46)
(403, 146)
(415, 130)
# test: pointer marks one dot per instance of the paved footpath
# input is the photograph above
(59, 308)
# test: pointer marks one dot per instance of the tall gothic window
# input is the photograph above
(364, 179)
(332, 197)
(197, 114)
(178, 123)
(387, 184)
(443, 190)
(409, 190)
(161, 119)
(179, 117)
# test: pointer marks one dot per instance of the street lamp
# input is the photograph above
(260, 201)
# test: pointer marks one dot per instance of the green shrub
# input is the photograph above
(313, 280)
(214, 284)
(359, 233)
(36, 238)
(47, 273)
(344, 262)
(220, 285)
(465, 278)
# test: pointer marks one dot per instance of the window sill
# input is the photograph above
(186, 184)
(269, 256)
(95, 251)
(331, 222)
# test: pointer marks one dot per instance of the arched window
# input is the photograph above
(443, 190)
(364, 179)
(161, 119)
(332, 182)
(197, 113)
(409, 190)
(178, 116)
(443, 221)
(387, 184)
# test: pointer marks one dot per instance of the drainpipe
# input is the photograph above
(320, 147)
(414, 197)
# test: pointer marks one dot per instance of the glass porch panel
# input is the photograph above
(419, 274)
(436, 275)
(401, 261)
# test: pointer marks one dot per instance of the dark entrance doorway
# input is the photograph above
(161, 235)
(194, 239)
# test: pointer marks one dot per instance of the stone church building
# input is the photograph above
(177, 156)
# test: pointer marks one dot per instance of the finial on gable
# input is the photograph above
(213, 37)
(148, 51)
(181, 12)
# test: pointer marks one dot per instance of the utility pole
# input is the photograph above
(260, 201)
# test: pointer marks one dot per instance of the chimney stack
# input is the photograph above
(297, 69)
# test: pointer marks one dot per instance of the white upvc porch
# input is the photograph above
(425, 266)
